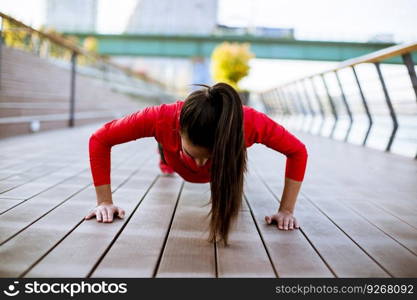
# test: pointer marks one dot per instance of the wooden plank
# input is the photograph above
(291, 253)
(69, 176)
(80, 250)
(373, 185)
(398, 230)
(21, 252)
(31, 175)
(25, 249)
(246, 255)
(187, 251)
(137, 249)
(6, 203)
(9, 171)
(330, 194)
(395, 259)
(402, 213)
(342, 255)
(21, 216)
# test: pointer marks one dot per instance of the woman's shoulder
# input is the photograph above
(254, 123)
(167, 131)
(171, 109)
(253, 116)
(249, 114)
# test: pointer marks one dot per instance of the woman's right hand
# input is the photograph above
(105, 212)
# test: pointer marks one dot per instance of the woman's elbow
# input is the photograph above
(304, 150)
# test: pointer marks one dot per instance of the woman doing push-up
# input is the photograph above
(203, 139)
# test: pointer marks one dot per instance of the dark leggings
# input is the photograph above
(161, 153)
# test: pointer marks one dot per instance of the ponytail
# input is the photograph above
(213, 118)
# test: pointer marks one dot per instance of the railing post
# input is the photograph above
(72, 89)
(342, 92)
(301, 104)
(321, 109)
(408, 61)
(277, 102)
(286, 111)
(310, 107)
(365, 105)
(270, 102)
(262, 98)
(1, 45)
(390, 107)
(297, 105)
(290, 105)
(331, 104)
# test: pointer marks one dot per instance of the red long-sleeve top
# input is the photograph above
(162, 123)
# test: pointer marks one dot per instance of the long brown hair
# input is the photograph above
(213, 118)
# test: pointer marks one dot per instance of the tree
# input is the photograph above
(230, 62)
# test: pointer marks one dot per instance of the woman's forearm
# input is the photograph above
(289, 195)
(104, 195)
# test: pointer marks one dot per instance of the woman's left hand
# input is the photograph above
(284, 220)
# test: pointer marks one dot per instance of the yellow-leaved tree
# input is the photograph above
(230, 62)
(90, 44)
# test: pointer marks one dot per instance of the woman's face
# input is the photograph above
(199, 154)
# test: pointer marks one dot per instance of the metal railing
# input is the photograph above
(67, 54)
(359, 100)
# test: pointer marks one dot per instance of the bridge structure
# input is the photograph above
(356, 207)
(187, 46)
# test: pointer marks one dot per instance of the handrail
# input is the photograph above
(57, 46)
(380, 55)
(278, 98)
(55, 38)
(373, 57)
(63, 42)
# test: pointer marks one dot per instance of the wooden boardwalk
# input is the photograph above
(357, 211)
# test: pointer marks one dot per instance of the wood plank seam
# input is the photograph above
(168, 232)
(391, 213)
(132, 174)
(42, 191)
(36, 178)
(49, 250)
(356, 243)
(47, 212)
(128, 158)
(261, 237)
(53, 247)
(76, 233)
(277, 198)
(21, 171)
(122, 227)
(337, 226)
(380, 229)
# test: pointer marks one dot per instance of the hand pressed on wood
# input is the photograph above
(284, 220)
(105, 213)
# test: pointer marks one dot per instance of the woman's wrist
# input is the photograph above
(104, 202)
(104, 195)
(285, 208)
